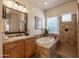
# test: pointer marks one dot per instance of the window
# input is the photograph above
(52, 25)
(66, 18)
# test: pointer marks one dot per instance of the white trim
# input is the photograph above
(66, 20)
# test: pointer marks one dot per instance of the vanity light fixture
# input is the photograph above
(46, 3)
(25, 10)
(9, 2)
(20, 7)
(14, 5)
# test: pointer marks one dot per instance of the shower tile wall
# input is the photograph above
(78, 43)
(78, 32)
(68, 33)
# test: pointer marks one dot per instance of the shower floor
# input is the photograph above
(67, 51)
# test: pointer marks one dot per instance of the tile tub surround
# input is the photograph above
(46, 50)
(42, 52)
(69, 38)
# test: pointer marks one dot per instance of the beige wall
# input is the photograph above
(1, 29)
(32, 12)
(78, 30)
(59, 10)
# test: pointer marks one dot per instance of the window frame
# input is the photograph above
(57, 25)
(67, 20)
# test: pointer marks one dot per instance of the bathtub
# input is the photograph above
(46, 47)
(46, 42)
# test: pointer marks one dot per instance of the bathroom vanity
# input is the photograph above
(18, 44)
(19, 47)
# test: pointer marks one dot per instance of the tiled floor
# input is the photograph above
(67, 51)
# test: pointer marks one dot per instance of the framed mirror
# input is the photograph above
(15, 21)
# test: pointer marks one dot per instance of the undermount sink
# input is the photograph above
(45, 40)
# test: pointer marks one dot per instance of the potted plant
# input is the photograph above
(46, 32)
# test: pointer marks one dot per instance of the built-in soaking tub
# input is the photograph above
(46, 47)
(47, 41)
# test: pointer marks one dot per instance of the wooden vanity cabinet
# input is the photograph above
(30, 46)
(19, 49)
(14, 50)
(10, 50)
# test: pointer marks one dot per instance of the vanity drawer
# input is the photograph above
(9, 46)
(20, 43)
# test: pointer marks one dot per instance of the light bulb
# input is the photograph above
(10, 2)
(24, 9)
(46, 3)
(20, 8)
(16, 6)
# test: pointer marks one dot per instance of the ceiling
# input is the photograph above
(51, 3)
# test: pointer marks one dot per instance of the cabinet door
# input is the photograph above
(20, 47)
(12, 53)
(29, 47)
(21, 51)
(10, 50)
(14, 50)
(33, 46)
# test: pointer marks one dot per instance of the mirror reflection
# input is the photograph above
(15, 21)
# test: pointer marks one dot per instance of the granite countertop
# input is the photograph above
(14, 39)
